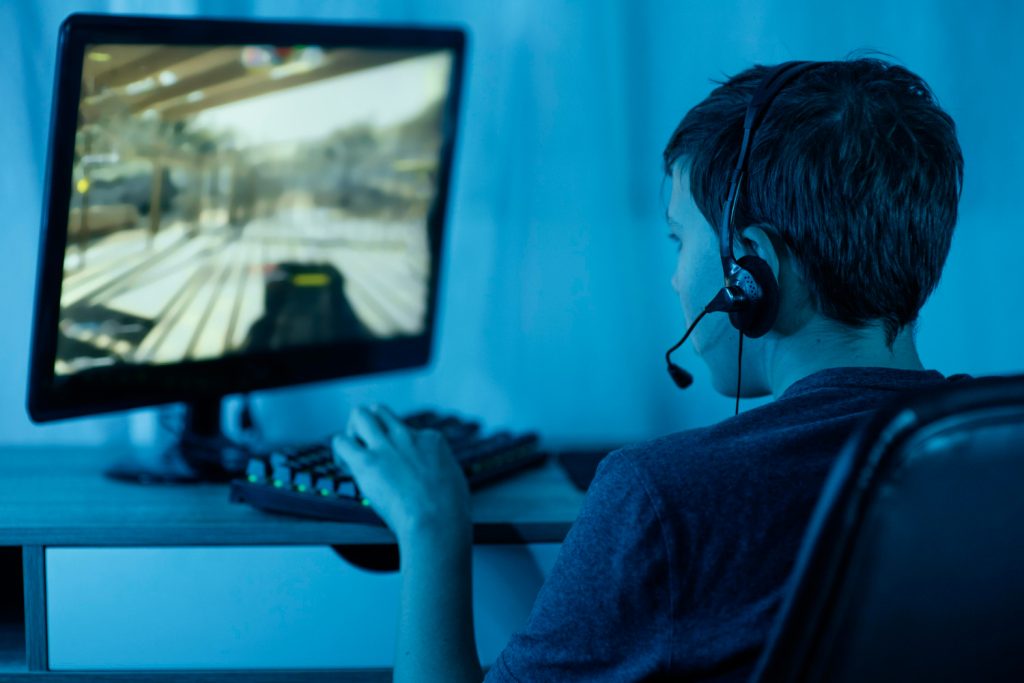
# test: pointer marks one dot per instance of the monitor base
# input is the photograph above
(202, 453)
(166, 470)
(183, 464)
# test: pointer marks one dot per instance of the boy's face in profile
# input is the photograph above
(697, 278)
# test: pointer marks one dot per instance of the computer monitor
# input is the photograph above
(238, 205)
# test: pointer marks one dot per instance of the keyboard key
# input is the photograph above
(282, 476)
(325, 485)
(347, 488)
(256, 471)
(303, 481)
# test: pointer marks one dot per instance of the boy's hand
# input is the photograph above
(410, 478)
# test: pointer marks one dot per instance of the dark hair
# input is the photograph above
(857, 170)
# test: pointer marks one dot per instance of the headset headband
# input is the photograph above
(770, 86)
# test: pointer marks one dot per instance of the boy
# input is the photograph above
(677, 563)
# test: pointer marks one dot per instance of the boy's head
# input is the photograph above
(851, 195)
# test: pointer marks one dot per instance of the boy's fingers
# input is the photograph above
(348, 449)
(363, 426)
(349, 454)
(397, 430)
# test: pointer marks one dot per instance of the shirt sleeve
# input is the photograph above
(603, 613)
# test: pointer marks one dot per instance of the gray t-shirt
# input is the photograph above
(675, 567)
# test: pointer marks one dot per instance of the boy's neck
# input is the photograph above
(825, 344)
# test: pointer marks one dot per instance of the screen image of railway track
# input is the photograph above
(229, 200)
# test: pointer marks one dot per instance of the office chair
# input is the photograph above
(912, 568)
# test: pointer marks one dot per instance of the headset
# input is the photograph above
(751, 292)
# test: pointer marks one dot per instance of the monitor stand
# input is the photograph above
(201, 453)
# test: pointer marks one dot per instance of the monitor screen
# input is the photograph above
(238, 205)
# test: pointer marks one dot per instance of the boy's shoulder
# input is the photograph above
(813, 418)
(747, 441)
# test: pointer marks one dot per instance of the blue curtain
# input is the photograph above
(555, 302)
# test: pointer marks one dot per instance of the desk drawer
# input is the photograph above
(279, 607)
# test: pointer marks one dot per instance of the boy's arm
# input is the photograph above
(414, 483)
(435, 630)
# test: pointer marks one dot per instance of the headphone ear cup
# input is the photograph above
(758, 318)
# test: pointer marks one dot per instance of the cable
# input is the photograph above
(739, 375)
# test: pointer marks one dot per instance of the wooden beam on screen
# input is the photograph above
(346, 61)
(151, 63)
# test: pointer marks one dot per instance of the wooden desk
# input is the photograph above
(58, 498)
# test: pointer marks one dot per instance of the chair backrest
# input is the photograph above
(912, 568)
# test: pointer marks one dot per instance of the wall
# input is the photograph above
(556, 305)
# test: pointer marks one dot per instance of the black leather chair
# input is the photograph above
(913, 565)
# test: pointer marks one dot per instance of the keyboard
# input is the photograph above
(305, 480)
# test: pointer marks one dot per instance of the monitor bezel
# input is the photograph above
(134, 386)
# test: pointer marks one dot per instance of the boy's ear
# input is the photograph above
(754, 240)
